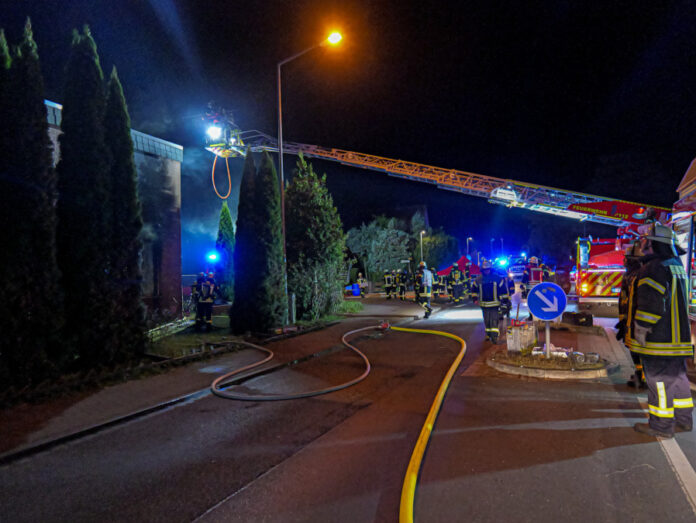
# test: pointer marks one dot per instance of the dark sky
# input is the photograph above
(543, 92)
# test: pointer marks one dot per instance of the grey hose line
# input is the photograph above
(220, 382)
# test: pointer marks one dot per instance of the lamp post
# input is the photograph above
(332, 39)
(467, 245)
(421, 243)
(502, 249)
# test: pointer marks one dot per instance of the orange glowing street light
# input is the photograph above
(333, 39)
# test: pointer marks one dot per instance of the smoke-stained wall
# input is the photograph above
(158, 163)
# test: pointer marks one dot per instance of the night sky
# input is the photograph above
(552, 92)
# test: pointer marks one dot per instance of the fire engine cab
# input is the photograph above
(599, 271)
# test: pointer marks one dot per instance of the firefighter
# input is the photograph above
(505, 302)
(195, 295)
(487, 290)
(206, 290)
(632, 265)
(467, 281)
(417, 285)
(362, 284)
(388, 284)
(456, 281)
(658, 330)
(426, 288)
(401, 280)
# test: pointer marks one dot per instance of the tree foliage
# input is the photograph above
(125, 224)
(84, 211)
(31, 305)
(315, 243)
(225, 248)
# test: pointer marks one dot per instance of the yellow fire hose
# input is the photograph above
(408, 490)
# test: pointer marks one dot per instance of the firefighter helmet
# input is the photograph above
(423, 265)
(534, 260)
(211, 275)
(485, 264)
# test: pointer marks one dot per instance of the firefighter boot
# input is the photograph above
(645, 428)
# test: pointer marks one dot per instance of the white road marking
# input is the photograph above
(682, 469)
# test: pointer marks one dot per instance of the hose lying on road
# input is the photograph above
(218, 385)
(408, 490)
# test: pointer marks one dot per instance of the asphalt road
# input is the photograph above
(504, 448)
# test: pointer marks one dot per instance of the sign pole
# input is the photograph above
(548, 339)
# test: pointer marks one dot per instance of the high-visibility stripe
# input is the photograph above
(492, 329)
(661, 395)
(646, 316)
(674, 311)
(652, 283)
(661, 413)
(489, 303)
(683, 403)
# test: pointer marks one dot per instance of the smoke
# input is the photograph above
(200, 206)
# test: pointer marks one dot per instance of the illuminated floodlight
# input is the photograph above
(212, 256)
(215, 132)
(503, 262)
(334, 38)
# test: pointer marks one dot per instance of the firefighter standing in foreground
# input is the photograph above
(401, 281)
(659, 331)
(426, 288)
(632, 265)
(487, 290)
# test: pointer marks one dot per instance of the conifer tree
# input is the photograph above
(29, 266)
(272, 305)
(125, 227)
(315, 243)
(245, 257)
(84, 216)
(225, 248)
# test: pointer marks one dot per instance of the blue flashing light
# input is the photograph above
(212, 256)
(523, 254)
(503, 262)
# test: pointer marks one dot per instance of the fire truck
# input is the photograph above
(599, 271)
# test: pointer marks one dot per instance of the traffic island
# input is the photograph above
(554, 368)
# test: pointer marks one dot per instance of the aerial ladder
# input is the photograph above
(510, 193)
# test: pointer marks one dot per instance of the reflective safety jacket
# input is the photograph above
(388, 280)
(488, 289)
(456, 277)
(206, 291)
(627, 282)
(659, 302)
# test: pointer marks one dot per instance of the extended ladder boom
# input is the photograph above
(510, 193)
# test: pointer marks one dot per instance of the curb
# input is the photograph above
(553, 374)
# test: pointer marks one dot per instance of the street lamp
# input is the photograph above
(421, 242)
(467, 245)
(333, 39)
(502, 249)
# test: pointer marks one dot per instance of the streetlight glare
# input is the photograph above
(334, 38)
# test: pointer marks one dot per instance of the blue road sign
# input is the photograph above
(546, 301)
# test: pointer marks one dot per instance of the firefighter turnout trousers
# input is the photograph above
(669, 393)
(491, 320)
(424, 299)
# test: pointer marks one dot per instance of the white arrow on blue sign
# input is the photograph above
(546, 301)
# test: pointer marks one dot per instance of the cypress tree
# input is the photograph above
(315, 243)
(83, 205)
(271, 304)
(245, 256)
(31, 309)
(225, 248)
(126, 224)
